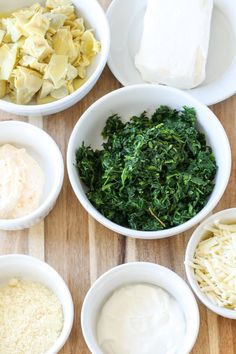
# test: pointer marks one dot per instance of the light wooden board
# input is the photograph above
(80, 249)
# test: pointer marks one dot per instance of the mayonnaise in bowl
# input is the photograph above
(141, 319)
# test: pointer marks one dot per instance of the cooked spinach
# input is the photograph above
(152, 173)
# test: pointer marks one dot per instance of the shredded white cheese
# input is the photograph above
(31, 318)
(214, 265)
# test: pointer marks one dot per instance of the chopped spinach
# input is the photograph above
(152, 173)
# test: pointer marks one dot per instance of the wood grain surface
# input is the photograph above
(80, 249)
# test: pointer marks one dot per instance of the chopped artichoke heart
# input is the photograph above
(27, 82)
(52, 4)
(44, 52)
(56, 20)
(82, 72)
(2, 35)
(38, 24)
(46, 89)
(45, 100)
(37, 47)
(60, 92)
(63, 44)
(77, 83)
(89, 45)
(57, 70)
(3, 88)
(72, 72)
(13, 31)
(68, 11)
(31, 62)
(7, 60)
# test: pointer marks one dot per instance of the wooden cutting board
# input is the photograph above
(80, 249)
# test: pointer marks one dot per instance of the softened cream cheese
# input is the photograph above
(141, 319)
(21, 182)
(174, 43)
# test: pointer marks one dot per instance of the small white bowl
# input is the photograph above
(221, 62)
(138, 272)
(225, 216)
(95, 18)
(30, 268)
(133, 100)
(46, 152)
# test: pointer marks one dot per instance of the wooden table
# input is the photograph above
(80, 249)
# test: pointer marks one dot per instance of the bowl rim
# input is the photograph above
(150, 266)
(121, 229)
(69, 100)
(190, 249)
(53, 194)
(45, 267)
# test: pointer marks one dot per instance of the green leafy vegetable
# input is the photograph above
(152, 173)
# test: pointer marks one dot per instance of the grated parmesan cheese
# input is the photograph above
(214, 264)
(31, 318)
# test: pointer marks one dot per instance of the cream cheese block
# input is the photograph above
(174, 43)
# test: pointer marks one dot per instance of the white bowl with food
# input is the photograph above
(164, 37)
(210, 262)
(144, 203)
(60, 49)
(32, 173)
(36, 305)
(132, 307)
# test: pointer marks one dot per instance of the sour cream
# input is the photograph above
(141, 319)
(21, 182)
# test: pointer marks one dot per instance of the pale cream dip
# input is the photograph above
(141, 319)
(21, 182)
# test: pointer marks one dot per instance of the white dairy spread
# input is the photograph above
(21, 182)
(174, 43)
(141, 319)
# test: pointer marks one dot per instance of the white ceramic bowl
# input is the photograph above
(226, 216)
(221, 61)
(46, 152)
(138, 272)
(133, 100)
(30, 268)
(95, 18)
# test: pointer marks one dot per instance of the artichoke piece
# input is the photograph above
(52, 4)
(37, 47)
(72, 72)
(31, 62)
(89, 45)
(8, 56)
(63, 44)
(68, 11)
(12, 29)
(46, 89)
(26, 83)
(57, 70)
(45, 100)
(60, 92)
(56, 20)
(2, 35)
(3, 88)
(38, 24)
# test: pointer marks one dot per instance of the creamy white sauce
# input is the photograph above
(174, 44)
(21, 182)
(141, 319)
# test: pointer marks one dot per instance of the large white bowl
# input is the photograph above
(138, 272)
(46, 152)
(133, 100)
(225, 216)
(30, 268)
(95, 18)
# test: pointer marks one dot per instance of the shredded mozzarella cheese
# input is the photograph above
(214, 265)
